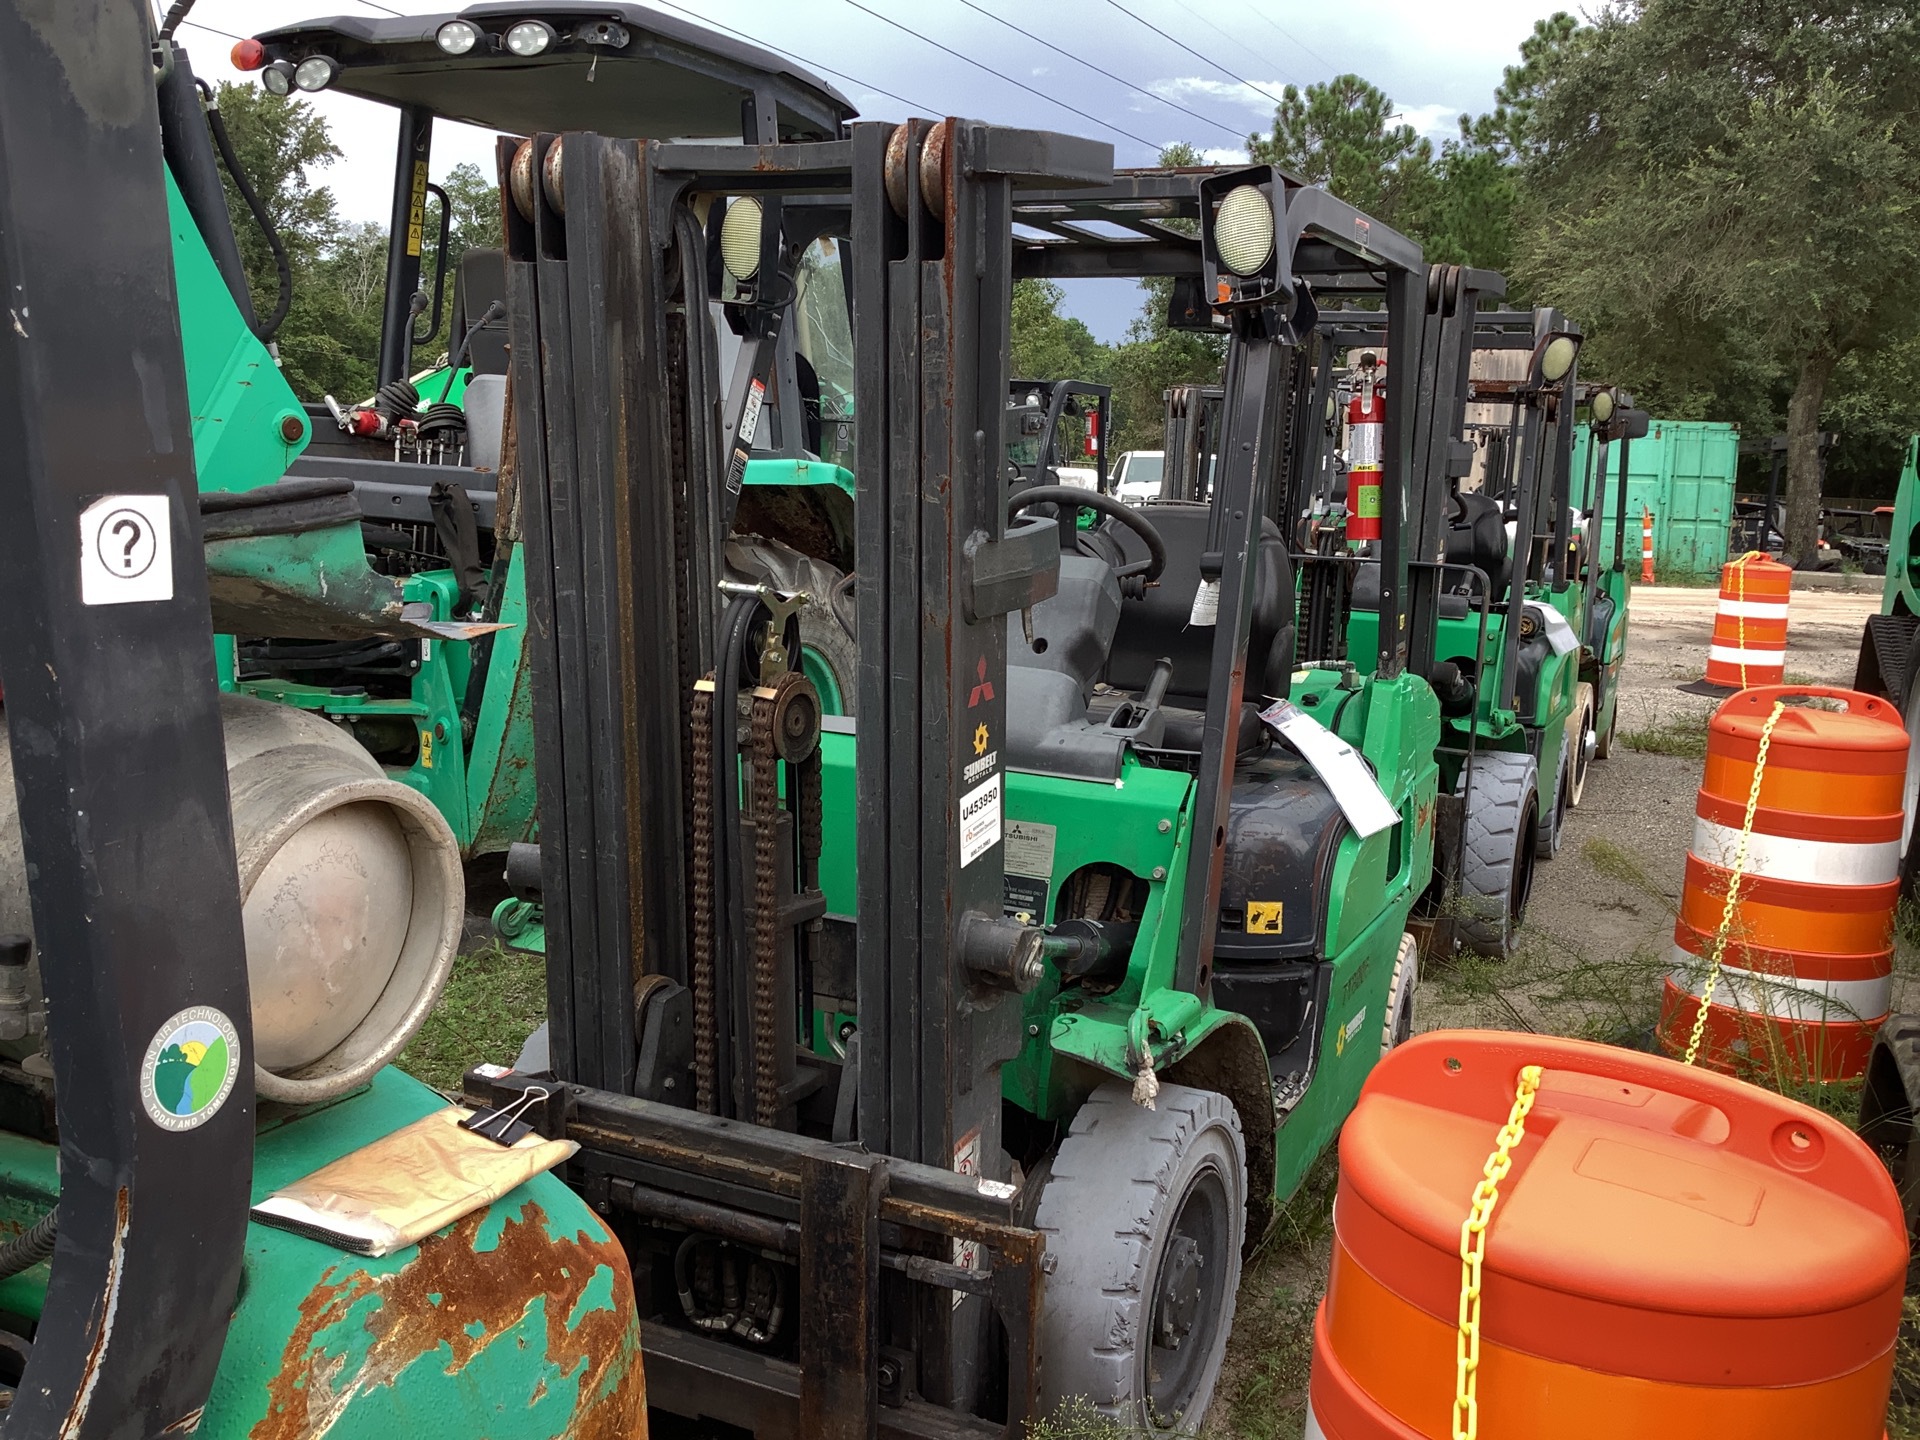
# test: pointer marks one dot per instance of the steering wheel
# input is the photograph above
(1071, 497)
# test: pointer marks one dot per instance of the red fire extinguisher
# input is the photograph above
(1093, 431)
(1366, 440)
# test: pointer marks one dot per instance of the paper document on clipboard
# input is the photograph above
(1357, 793)
(1560, 637)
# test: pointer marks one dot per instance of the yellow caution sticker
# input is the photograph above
(1264, 917)
(426, 750)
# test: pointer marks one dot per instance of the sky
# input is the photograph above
(1211, 74)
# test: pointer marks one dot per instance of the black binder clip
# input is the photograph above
(505, 1127)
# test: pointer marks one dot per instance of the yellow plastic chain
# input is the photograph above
(1740, 573)
(1473, 1245)
(1733, 883)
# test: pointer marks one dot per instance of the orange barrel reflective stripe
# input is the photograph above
(1807, 968)
(1675, 1253)
(1749, 645)
(1646, 545)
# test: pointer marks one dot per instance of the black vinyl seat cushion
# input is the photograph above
(1160, 623)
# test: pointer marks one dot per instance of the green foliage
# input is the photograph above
(493, 1001)
(1726, 197)
(330, 341)
(1340, 135)
(1048, 345)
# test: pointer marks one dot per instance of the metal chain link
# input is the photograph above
(1473, 1245)
(1733, 883)
(765, 789)
(705, 1039)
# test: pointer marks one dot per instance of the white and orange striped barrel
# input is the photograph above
(1807, 969)
(1750, 628)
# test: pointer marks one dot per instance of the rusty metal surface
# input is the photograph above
(459, 1320)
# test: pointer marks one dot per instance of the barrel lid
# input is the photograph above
(1864, 735)
(1659, 1220)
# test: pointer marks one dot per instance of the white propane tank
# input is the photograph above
(352, 900)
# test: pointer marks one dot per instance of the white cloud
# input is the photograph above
(1436, 122)
(1223, 156)
(1043, 70)
(1186, 88)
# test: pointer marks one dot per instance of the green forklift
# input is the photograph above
(1053, 926)
(137, 1297)
(427, 668)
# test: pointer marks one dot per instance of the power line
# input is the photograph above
(1287, 34)
(223, 34)
(1089, 65)
(801, 59)
(1191, 51)
(1230, 39)
(388, 8)
(1038, 94)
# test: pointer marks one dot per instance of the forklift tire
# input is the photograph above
(826, 647)
(1889, 1102)
(1910, 791)
(1499, 838)
(1583, 737)
(1603, 742)
(1144, 1215)
(1553, 827)
(1397, 1028)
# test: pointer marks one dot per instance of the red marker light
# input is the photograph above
(248, 55)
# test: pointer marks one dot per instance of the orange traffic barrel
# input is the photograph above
(1674, 1253)
(1749, 644)
(1806, 973)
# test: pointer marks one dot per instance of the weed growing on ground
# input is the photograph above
(493, 1001)
(1681, 735)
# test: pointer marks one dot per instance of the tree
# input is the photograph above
(1339, 135)
(1048, 345)
(1727, 196)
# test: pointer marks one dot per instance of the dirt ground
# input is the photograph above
(1592, 959)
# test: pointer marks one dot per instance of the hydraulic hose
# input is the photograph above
(269, 327)
(31, 1246)
(494, 311)
(173, 18)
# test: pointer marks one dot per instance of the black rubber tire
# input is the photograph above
(821, 633)
(1889, 1101)
(1396, 1027)
(1553, 827)
(1580, 761)
(1120, 1184)
(1497, 853)
(1910, 715)
(1603, 742)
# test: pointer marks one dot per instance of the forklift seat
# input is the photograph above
(1160, 623)
(1477, 536)
(481, 279)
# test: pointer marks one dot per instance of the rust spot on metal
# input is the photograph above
(451, 1303)
(103, 1321)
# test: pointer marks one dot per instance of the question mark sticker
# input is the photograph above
(130, 527)
(126, 550)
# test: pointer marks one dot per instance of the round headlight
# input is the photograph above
(457, 37)
(1243, 230)
(316, 72)
(278, 78)
(1558, 357)
(1603, 406)
(529, 38)
(740, 238)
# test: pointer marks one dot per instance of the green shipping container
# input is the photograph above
(1683, 471)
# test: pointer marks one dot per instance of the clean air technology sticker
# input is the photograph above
(190, 1068)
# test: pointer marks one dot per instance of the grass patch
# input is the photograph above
(1683, 735)
(493, 1001)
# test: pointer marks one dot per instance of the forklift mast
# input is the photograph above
(112, 713)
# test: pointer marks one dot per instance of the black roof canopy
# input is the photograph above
(670, 78)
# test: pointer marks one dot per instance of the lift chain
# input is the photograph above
(764, 758)
(705, 1039)
(1473, 1246)
(1733, 884)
